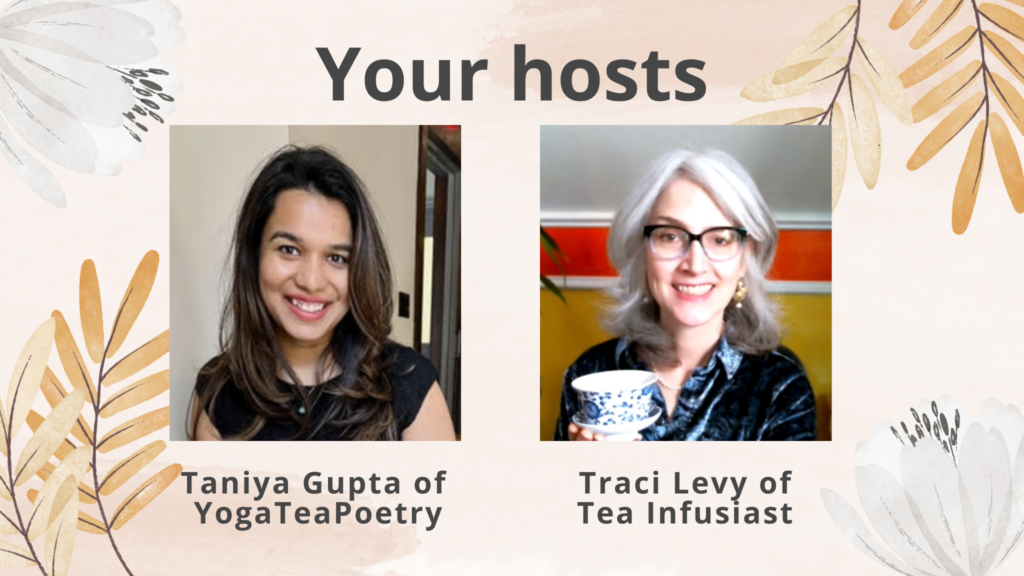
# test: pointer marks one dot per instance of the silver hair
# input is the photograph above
(634, 315)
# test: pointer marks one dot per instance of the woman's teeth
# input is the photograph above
(306, 306)
(698, 290)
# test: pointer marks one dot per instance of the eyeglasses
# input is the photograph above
(671, 242)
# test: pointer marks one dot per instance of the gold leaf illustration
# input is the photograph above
(865, 132)
(73, 468)
(1009, 162)
(936, 22)
(1007, 19)
(885, 80)
(1010, 98)
(85, 493)
(822, 42)
(13, 557)
(71, 359)
(130, 466)
(938, 58)
(838, 153)
(7, 525)
(137, 393)
(28, 374)
(145, 494)
(1007, 54)
(967, 183)
(89, 524)
(139, 358)
(5, 492)
(91, 310)
(945, 93)
(946, 130)
(764, 89)
(35, 421)
(905, 12)
(134, 299)
(48, 437)
(135, 429)
(60, 536)
(54, 392)
(789, 116)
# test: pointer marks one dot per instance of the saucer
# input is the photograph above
(628, 429)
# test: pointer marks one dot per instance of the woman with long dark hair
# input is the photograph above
(305, 353)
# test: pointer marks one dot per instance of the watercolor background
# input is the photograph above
(918, 312)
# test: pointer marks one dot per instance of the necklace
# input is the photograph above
(314, 395)
(662, 383)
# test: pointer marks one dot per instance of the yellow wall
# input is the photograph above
(566, 331)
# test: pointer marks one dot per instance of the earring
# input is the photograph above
(741, 293)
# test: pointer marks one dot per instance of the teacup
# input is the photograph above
(615, 397)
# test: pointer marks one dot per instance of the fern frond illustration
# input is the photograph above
(56, 503)
(86, 428)
(811, 66)
(991, 46)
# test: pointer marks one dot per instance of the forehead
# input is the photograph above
(310, 217)
(687, 203)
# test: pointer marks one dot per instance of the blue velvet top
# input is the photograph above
(736, 396)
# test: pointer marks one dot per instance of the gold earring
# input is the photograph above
(741, 293)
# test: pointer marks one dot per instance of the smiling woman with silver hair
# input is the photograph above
(692, 245)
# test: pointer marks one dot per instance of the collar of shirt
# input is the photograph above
(626, 358)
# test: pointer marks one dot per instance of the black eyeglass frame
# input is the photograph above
(690, 238)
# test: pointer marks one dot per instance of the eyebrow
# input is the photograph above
(293, 238)
(680, 224)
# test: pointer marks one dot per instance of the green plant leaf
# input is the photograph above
(551, 286)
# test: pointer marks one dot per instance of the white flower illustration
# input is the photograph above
(944, 493)
(77, 82)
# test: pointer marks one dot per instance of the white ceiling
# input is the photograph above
(591, 168)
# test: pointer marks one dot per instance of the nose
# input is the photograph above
(695, 260)
(310, 275)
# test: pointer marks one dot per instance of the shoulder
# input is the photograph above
(604, 356)
(411, 377)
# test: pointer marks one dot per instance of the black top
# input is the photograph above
(736, 396)
(411, 377)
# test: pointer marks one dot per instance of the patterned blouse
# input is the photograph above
(736, 396)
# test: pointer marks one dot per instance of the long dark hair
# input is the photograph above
(359, 402)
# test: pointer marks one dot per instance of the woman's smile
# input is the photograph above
(306, 308)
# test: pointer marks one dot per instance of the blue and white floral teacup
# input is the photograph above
(615, 397)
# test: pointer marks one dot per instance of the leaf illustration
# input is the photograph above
(71, 359)
(91, 310)
(939, 58)
(789, 116)
(48, 437)
(1007, 54)
(905, 12)
(134, 299)
(54, 393)
(885, 80)
(137, 393)
(7, 525)
(60, 536)
(936, 22)
(945, 93)
(74, 468)
(946, 130)
(1009, 162)
(145, 494)
(764, 89)
(130, 466)
(28, 374)
(35, 421)
(13, 557)
(822, 42)
(865, 132)
(838, 153)
(135, 429)
(139, 358)
(1005, 19)
(1010, 98)
(967, 183)
(5, 492)
(89, 524)
(85, 493)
